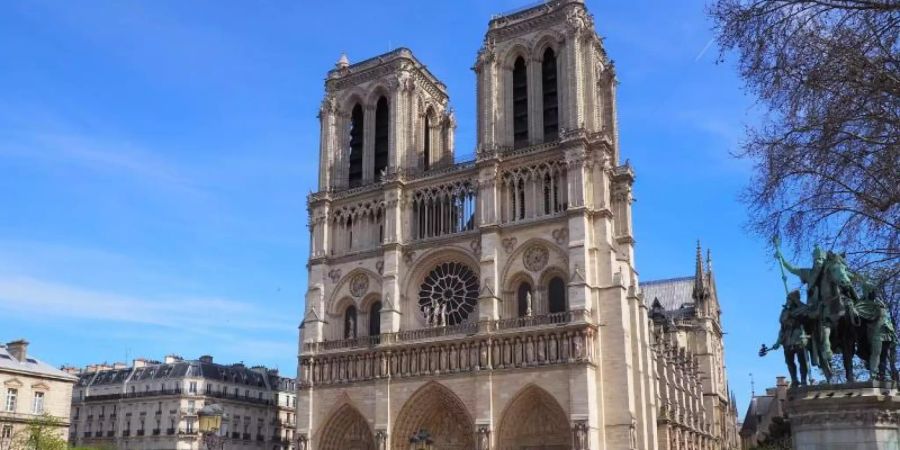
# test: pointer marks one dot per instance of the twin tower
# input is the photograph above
(389, 116)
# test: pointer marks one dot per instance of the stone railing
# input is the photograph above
(525, 347)
(466, 328)
(533, 321)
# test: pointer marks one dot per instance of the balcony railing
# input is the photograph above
(126, 433)
(110, 433)
(170, 431)
(523, 345)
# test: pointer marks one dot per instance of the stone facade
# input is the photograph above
(154, 405)
(29, 389)
(492, 303)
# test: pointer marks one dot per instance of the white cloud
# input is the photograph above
(41, 298)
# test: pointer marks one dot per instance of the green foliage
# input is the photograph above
(41, 433)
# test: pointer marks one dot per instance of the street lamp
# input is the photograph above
(211, 417)
(421, 440)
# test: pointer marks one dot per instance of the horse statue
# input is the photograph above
(839, 321)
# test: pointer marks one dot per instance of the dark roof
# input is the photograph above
(672, 293)
(236, 373)
(759, 406)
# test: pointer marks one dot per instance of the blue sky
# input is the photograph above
(156, 157)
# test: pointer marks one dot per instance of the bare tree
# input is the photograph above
(827, 152)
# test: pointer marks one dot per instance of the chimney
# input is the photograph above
(780, 381)
(172, 359)
(207, 359)
(18, 349)
(139, 362)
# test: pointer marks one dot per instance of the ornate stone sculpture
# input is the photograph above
(359, 284)
(580, 432)
(381, 440)
(535, 258)
(483, 437)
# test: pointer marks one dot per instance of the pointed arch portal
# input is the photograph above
(439, 411)
(347, 430)
(534, 421)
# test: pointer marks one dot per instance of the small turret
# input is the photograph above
(343, 62)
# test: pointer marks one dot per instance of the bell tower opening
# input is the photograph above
(356, 146)
(550, 97)
(520, 103)
(382, 132)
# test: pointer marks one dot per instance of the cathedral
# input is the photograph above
(495, 303)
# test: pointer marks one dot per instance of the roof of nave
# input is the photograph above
(31, 365)
(672, 294)
(234, 373)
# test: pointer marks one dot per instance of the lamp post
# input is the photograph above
(211, 417)
(421, 440)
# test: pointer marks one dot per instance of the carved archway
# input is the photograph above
(346, 430)
(439, 411)
(533, 420)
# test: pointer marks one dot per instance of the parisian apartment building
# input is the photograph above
(31, 389)
(153, 405)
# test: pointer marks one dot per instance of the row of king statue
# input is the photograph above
(842, 315)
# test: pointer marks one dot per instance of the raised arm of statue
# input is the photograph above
(794, 270)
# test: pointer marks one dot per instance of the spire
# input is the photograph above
(709, 267)
(699, 282)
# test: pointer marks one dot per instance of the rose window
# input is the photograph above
(451, 287)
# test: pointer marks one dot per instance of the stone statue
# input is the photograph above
(793, 338)
(528, 302)
(429, 314)
(443, 314)
(351, 327)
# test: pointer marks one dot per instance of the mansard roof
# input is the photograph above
(31, 365)
(235, 374)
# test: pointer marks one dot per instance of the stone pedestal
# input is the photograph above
(852, 416)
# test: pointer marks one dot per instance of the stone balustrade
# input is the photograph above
(491, 345)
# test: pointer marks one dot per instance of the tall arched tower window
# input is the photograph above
(375, 319)
(520, 103)
(524, 300)
(426, 147)
(556, 290)
(350, 322)
(550, 97)
(382, 128)
(356, 146)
